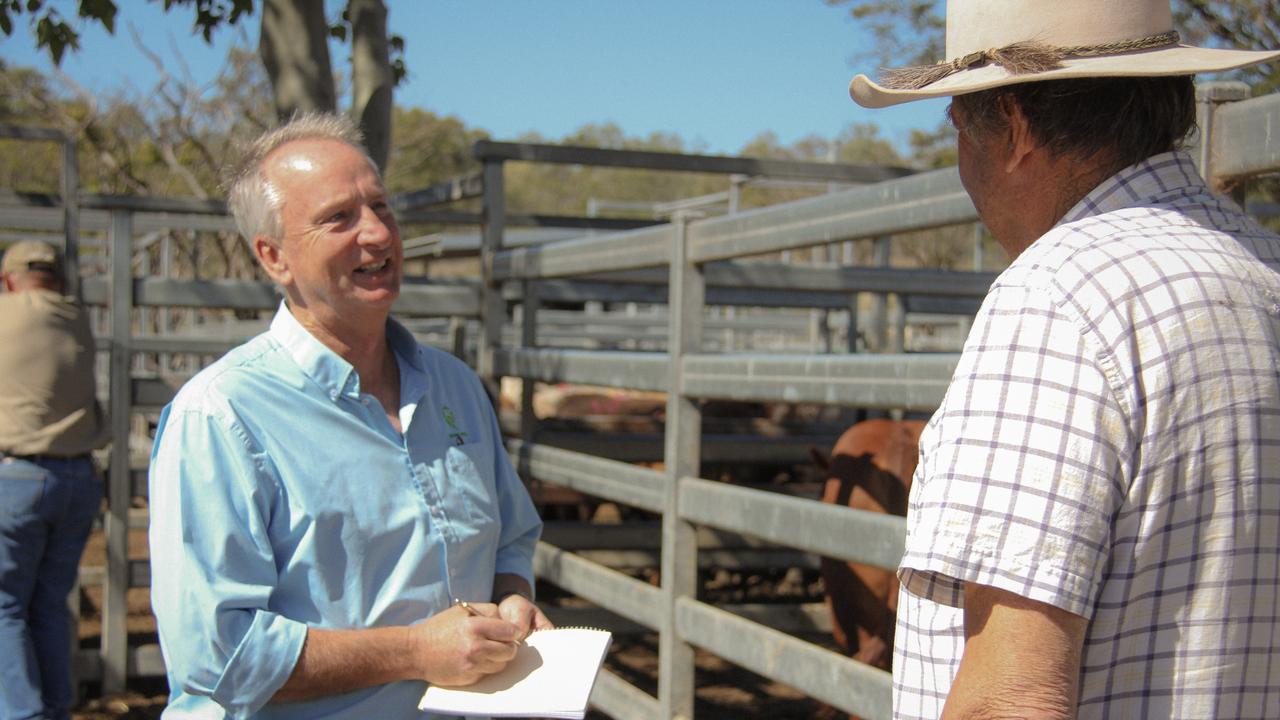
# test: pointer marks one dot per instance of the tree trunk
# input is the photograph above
(371, 78)
(294, 46)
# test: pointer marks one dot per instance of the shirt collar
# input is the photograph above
(1152, 181)
(328, 369)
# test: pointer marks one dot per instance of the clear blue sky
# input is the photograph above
(715, 72)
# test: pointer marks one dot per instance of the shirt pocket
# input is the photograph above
(471, 477)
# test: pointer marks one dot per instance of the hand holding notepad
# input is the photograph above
(551, 676)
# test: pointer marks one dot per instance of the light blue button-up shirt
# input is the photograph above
(282, 498)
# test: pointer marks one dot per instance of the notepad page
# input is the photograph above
(551, 676)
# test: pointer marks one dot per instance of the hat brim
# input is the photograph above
(1177, 60)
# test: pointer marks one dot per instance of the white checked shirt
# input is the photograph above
(1110, 445)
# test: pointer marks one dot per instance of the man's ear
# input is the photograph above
(1021, 141)
(273, 260)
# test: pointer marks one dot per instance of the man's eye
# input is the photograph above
(337, 217)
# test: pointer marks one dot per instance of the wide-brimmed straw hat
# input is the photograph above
(991, 43)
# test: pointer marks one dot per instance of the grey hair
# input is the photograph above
(254, 201)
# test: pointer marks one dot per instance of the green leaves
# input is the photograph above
(104, 11)
(55, 35)
(210, 14)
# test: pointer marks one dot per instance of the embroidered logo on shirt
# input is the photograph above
(458, 436)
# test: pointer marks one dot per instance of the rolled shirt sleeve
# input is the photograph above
(1021, 467)
(213, 569)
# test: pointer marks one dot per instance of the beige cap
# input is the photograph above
(32, 255)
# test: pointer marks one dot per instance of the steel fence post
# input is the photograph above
(682, 454)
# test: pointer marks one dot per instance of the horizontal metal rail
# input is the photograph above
(845, 279)
(621, 700)
(139, 573)
(564, 290)
(50, 218)
(184, 345)
(149, 394)
(707, 560)
(645, 447)
(643, 248)
(920, 202)
(150, 204)
(1244, 139)
(22, 132)
(830, 530)
(769, 284)
(417, 300)
(445, 191)
(634, 600)
(142, 661)
(166, 292)
(461, 217)
(609, 479)
(643, 534)
(635, 370)
(827, 676)
(601, 157)
(910, 382)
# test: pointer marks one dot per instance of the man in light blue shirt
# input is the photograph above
(322, 494)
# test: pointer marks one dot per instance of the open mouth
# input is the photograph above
(375, 267)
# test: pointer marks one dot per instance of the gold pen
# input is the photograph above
(466, 606)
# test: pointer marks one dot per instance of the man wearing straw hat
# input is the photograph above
(1094, 525)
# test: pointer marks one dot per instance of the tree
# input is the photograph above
(911, 33)
(169, 141)
(1236, 23)
(293, 47)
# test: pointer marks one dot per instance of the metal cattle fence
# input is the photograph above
(687, 265)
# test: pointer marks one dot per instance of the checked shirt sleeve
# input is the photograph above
(1020, 472)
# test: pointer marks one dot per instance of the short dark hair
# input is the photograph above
(1126, 119)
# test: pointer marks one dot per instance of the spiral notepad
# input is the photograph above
(551, 676)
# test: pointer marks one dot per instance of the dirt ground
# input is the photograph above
(724, 690)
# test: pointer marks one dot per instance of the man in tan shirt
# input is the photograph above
(49, 490)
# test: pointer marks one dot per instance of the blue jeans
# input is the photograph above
(47, 507)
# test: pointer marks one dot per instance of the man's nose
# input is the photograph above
(376, 228)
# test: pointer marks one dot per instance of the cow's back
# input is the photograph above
(870, 469)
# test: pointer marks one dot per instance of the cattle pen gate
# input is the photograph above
(688, 264)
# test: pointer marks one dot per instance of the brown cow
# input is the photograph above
(870, 469)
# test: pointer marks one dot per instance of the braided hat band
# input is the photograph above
(1018, 58)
